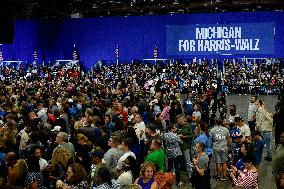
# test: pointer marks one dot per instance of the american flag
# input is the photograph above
(156, 51)
(117, 51)
(1, 55)
(35, 55)
(75, 53)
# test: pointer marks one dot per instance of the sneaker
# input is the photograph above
(223, 179)
(216, 177)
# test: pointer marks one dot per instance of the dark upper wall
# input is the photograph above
(97, 38)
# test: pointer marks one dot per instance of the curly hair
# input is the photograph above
(78, 125)
(18, 173)
(79, 172)
(104, 176)
(144, 167)
(133, 166)
(83, 138)
(60, 155)
(33, 164)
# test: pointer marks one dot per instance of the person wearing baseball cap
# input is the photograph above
(56, 129)
(96, 158)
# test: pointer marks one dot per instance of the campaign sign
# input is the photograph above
(210, 39)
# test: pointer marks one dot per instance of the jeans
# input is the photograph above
(267, 135)
(186, 155)
(176, 162)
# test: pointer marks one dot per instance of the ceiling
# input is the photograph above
(59, 9)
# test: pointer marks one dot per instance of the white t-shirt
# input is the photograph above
(245, 130)
(42, 164)
(42, 115)
(125, 178)
(251, 111)
(119, 163)
(138, 129)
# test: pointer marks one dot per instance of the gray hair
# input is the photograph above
(135, 109)
(63, 135)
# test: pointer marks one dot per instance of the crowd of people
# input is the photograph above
(35, 72)
(263, 77)
(232, 76)
(130, 126)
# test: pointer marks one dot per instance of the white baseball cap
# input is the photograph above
(56, 128)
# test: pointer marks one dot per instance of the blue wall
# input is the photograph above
(97, 38)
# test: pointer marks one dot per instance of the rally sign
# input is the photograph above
(209, 39)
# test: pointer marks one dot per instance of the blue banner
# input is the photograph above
(223, 39)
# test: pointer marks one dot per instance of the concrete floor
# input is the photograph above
(266, 179)
(242, 103)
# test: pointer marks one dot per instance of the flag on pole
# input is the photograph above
(117, 51)
(35, 55)
(117, 54)
(1, 55)
(225, 62)
(43, 58)
(244, 59)
(75, 53)
(156, 53)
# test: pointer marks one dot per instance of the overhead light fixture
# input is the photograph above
(176, 2)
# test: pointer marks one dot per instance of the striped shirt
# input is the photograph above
(247, 180)
(166, 113)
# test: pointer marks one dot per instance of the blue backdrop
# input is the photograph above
(210, 39)
(96, 38)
